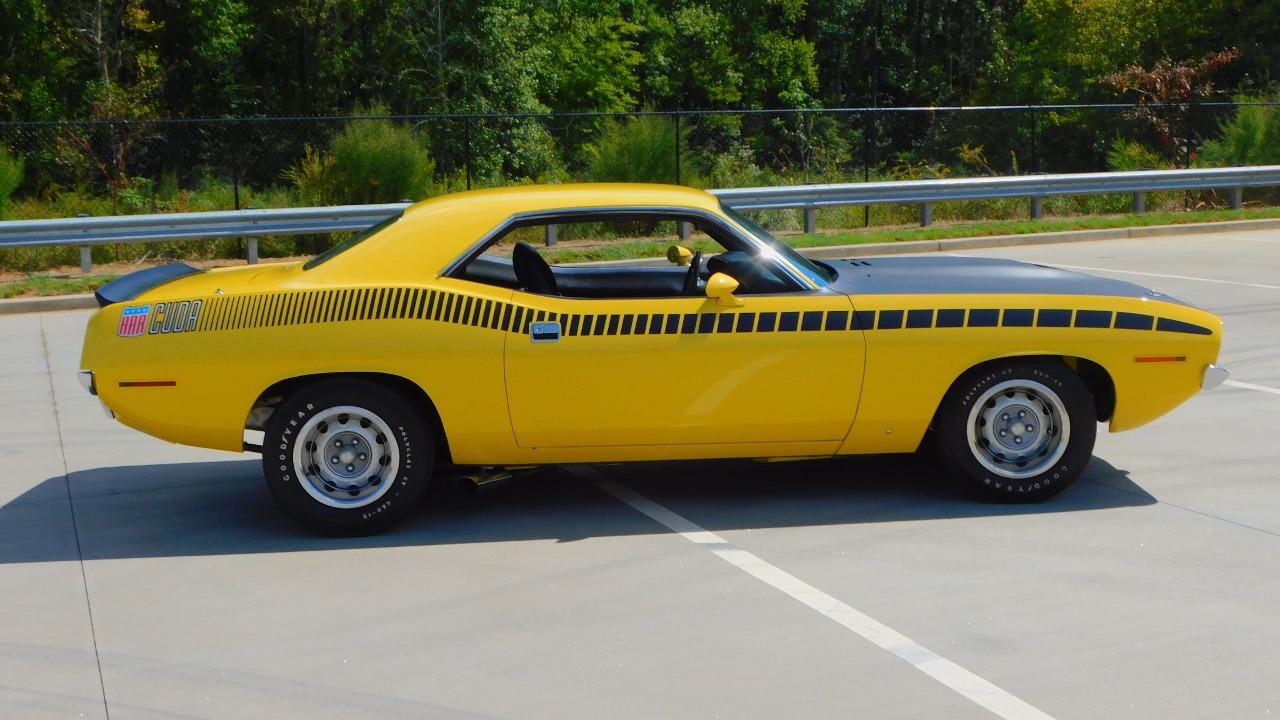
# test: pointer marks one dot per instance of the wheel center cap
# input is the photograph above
(1019, 427)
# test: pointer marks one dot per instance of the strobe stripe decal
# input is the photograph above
(307, 307)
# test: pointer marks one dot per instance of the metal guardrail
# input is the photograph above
(252, 224)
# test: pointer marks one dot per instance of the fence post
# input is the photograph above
(1037, 207)
(926, 214)
(1035, 147)
(678, 149)
(552, 230)
(683, 230)
(466, 149)
(811, 220)
(1237, 198)
(1139, 202)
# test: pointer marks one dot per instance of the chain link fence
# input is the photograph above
(111, 167)
(108, 156)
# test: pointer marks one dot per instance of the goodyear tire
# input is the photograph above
(1018, 431)
(346, 456)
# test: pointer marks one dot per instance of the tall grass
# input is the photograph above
(11, 169)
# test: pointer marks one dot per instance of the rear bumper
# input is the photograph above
(1213, 377)
(90, 384)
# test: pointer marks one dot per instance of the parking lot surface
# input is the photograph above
(145, 580)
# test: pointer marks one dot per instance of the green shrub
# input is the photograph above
(639, 149)
(10, 176)
(369, 161)
(1250, 137)
(380, 161)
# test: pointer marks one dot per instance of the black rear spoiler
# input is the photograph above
(134, 284)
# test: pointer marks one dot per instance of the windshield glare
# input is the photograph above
(806, 266)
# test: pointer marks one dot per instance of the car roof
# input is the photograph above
(523, 198)
(435, 231)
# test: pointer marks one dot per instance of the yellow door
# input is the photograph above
(683, 370)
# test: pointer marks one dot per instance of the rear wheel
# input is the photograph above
(1017, 432)
(346, 456)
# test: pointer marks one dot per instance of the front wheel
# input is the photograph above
(1017, 432)
(346, 456)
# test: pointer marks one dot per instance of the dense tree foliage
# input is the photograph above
(201, 58)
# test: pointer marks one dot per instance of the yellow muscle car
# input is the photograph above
(442, 337)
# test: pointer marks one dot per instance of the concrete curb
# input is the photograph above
(1048, 238)
(14, 306)
(82, 302)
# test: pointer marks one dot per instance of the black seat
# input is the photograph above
(532, 272)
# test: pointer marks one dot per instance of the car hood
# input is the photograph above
(957, 274)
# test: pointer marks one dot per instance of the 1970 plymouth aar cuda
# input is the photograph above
(441, 338)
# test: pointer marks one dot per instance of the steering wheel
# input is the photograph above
(691, 278)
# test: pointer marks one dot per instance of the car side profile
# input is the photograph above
(443, 337)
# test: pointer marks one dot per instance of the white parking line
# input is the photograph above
(1251, 386)
(962, 681)
(1171, 277)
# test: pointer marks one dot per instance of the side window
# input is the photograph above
(614, 256)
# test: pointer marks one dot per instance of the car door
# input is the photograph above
(683, 370)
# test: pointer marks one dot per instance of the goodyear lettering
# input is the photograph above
(175, 317)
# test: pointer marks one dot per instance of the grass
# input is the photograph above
(625, 250)
(44, 285)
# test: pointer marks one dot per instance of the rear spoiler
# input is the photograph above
(134, 284)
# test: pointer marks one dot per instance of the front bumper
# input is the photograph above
(1213, 377)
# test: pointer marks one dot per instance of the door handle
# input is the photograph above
(544, 331)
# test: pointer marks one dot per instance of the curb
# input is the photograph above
(83, 302)
(14, 306)
(1048, 238)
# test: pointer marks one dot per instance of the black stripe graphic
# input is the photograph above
(919, 318)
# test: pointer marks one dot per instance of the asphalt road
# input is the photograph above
(147, 580)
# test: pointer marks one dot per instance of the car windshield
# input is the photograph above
(351, 241)
(817, 273)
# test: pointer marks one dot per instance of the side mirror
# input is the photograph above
(679, 255)
(721, 287)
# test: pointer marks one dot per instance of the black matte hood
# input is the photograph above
(958, 274)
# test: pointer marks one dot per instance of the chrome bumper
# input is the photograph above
(90, 384)
(1213, 377)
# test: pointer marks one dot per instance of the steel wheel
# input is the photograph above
(1018, 429)
(345, 456)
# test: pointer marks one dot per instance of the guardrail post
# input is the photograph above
(86, 260)
(1237, 198)
(926, 214)
(811, 220)
(1037, 208)
(683, 230)
(551, 232)
(1139, 202)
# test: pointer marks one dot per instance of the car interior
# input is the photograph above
(527, 270)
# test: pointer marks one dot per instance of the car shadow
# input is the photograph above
(223, 508)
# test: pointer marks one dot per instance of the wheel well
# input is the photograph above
(1095, 377)
(270, 398)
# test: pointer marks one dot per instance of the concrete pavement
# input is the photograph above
(147, 580)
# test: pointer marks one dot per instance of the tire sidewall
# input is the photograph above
(957, 453)
(284, 481)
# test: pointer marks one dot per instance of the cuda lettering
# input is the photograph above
(175, 317)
